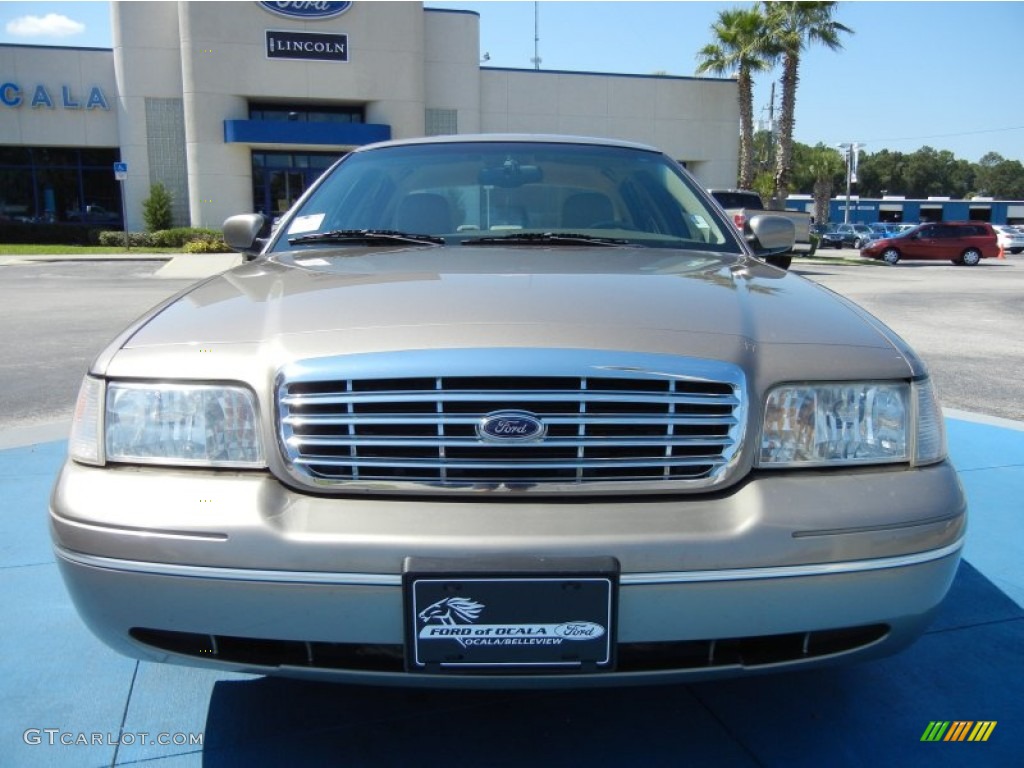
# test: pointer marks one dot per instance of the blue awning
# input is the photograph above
(288, 132)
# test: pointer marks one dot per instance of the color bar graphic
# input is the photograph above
(958, 730)
(935, 731)
(982, 730)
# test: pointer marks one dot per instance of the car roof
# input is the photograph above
(492, 138)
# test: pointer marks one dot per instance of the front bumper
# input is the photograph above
(281, 582)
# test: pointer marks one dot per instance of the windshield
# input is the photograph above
(476, 192)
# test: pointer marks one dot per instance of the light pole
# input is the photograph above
(852, 152)
(536, 36)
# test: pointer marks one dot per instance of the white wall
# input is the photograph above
(452, 66)
(693, 120)
(147, 60)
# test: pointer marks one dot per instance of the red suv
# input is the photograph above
(962, 242)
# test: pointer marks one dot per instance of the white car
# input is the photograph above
(1011, 239)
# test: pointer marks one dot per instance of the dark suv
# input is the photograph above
(847, 236)
(962, 242)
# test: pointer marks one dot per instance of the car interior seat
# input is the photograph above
(585, 209)
(424, 213)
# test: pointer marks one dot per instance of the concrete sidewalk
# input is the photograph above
(189, 266)
(33, 258)
(68, 700)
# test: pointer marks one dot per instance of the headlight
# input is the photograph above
(820, 425)
(185, 424)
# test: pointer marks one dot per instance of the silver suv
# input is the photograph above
(507, 411)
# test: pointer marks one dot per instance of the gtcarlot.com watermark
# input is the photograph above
(58, 737)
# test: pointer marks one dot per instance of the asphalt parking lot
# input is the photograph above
(62, 687)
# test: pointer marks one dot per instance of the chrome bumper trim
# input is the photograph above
(393, 580)
(793, 571)
(229, 574)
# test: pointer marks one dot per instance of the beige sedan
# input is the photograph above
(507, 411)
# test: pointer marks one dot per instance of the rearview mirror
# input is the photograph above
(510, 174)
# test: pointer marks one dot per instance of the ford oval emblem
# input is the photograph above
(510, 426)
(579, 630)
(311, 11)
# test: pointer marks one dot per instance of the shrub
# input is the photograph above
(156, 209)
(174, 238)
(213, 245)
(190, 239)
(115, 239)
(180, 237)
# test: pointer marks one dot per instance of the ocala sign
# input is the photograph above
(40, 96)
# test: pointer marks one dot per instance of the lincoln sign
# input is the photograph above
(306, 45)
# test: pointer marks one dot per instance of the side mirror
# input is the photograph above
(770, 236)
(247, 233)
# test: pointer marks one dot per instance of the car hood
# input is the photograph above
(328, 302)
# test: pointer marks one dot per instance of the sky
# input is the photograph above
(941, 74)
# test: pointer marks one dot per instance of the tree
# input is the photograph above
(764, 154)
(882, 173)
(739, 47)
(792, 27)
(804, 174)
(156, 209)
(824, 164)
(937, 172)
(763, 184)
(998, 177)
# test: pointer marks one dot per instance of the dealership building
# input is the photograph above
(239, 106)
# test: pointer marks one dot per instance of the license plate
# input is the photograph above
(504, 617)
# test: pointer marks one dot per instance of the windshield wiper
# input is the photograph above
(371, 236)
(546, 238)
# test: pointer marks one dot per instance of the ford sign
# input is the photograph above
(309, 11)
(510, 426)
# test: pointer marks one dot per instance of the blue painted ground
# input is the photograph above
(57, 683)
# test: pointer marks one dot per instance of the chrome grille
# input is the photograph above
(607, 424)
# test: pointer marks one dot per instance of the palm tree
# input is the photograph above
(793, 27)
(825, 163)
(739, 35)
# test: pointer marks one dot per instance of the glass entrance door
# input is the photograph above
(280, 178)
(285, 189)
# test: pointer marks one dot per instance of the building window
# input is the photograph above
(278, 178)
(441, 122)
(306, 113)
(59, 184)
